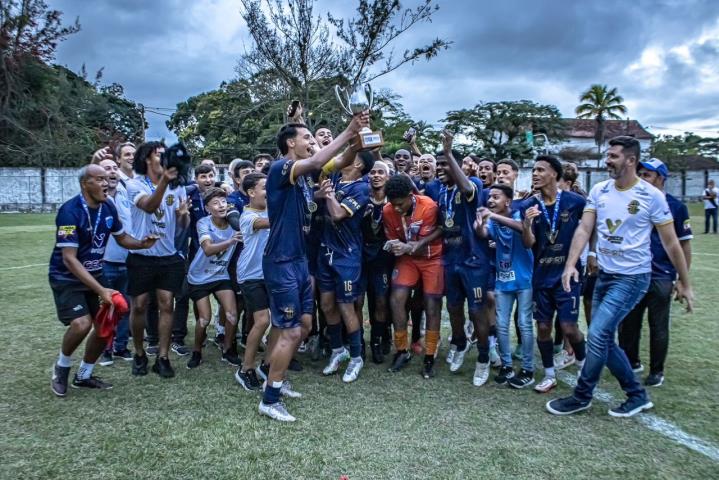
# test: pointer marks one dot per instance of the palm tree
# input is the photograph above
(599, 103)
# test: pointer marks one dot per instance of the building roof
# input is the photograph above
(585, 128)
(693, 162)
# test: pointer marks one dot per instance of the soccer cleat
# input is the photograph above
(458, 358)
(523, 379)
(567, 406)
(504, 375)
(564, 359)
(263, 371)
(180, 349)
(248, 379)
(494, 358)
(546, 385)
(231, 357)
(428, 368)
(416, 347)
(163, 368)
(195, 360)
(276, 411)
(152, 350)
(106, 359)
(219, 340)
(123, 354)
(92, 383)
(631, 407)
(294, 366)
(451, 353)
(139, 365)
(354, 367)
(377, 355)
(335, 360)
(481, 374)
(654, 380)
(58, 383)
(286, 390)
(637, 367)
(401, 359)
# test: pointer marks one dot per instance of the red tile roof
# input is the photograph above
(585, 128)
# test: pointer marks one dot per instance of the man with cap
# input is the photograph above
(659, 296)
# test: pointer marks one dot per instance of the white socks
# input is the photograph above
(64, 360)
(85, 370)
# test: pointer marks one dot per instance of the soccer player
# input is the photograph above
(339, 269)
(254, 226)
(290, 203)
(402, 160)
(323, 136)
(623, 209)
(466, 259)
(262, 162)
(207, 274)
(659, 296)
(160, 207)
(487, 171)
(377, 263)
(550, 219)
(125, 158)
(84, 225)
(410, 224)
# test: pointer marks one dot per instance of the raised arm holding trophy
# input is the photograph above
(353, 101)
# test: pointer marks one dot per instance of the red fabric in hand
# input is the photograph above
(109, 316)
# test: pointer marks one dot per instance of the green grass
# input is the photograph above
(202, 425)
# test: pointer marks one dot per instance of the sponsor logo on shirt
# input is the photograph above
(687, 224)
(159, 213)
(66, 230)
(612, 225)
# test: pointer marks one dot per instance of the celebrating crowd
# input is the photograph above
(293, 248)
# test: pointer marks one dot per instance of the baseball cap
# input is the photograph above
(656, 165)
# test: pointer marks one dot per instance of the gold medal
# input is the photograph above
(449, 222)
(312, 206)
(552, 237)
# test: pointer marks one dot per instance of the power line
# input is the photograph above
(683, 129)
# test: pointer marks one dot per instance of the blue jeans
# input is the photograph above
(505, 300)
(116, 278)
(615, 295)
(710, 214)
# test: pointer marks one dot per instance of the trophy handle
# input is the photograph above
(369, 94)
(338, 93)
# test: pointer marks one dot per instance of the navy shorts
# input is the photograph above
(339, 274)
(290, 289)
(465, 282)
(377, 275)
(492, 281)
(547, 301)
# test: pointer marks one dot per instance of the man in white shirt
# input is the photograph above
(711, 201)
(623, 209)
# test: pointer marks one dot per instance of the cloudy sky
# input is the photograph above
(662, 55)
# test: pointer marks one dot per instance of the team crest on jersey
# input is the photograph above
(340, 195)
(108, 222)
(633, 207)
(289, 313)
(613, 225)
(687, 224)
(170, 200)
(66, 230)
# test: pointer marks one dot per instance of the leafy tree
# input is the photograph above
(675, 149)
(600, 103)
(498, 129)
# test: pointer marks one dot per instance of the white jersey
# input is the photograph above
(162, 222)
(114, 252)
(625, 219)
(708, 205)
(204, 269)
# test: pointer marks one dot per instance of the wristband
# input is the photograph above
(592, 254)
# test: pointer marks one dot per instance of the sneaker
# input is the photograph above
(302, 348)
(517, 353)
(654, 380)
(139, 365)
(152, 350)
(428, 368)
(335, 360)
(546, 385)
(353, 370)
(219, 340)
(401, 359)
(377, 355)
(180, 349)
(458, 358)
(451, 353)
(195, 360)
(637, 368)
(416, 347)
(106, 359)
(523, 379)
(123, 354)
(567, 406)
(58, 383)
(263, 371)
(286, 390)
(481, 374)
(231, 357)
(248, 379)
(163, 368)
(494, 358)
(313, 346)
(631, 407)
(276, 411)
(564, 359)
(92, 383)
(294, 366)
(504, 374)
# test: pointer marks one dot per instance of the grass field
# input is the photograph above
(201, 424)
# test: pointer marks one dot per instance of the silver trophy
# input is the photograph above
(357, 100)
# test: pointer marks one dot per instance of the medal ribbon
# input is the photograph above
(449, 202)
(553, 223)
(149, 184)
(89, 220)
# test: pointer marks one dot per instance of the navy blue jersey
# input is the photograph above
(373, 235)
(88, 235)
(550, 257)
(197, 211)
(288, 210)
(238, 200)
(345, 237)
(457, 215)
(662, 268)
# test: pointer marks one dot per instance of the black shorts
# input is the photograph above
(197, 292)
(147, 274)
(74, 301)
(255, 294)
